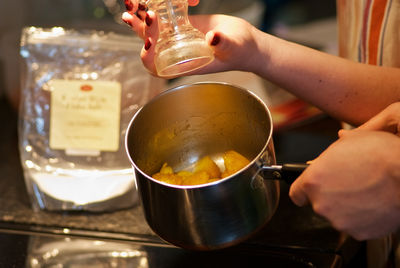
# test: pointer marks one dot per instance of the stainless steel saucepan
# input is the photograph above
(179, 127)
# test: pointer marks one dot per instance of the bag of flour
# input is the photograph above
(79, 92)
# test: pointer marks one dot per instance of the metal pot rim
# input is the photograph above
(167, 91)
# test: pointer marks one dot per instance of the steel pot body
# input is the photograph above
(180, 126)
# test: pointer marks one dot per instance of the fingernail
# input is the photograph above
(127, 22)
(148, 20)
(141, 7)
(216, 39)
(147, 44)
(128, 5)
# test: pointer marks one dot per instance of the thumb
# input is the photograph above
(297, 194)
(218, 41)
(213, 38)
(344, 132)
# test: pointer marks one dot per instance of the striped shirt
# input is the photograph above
(369, 31)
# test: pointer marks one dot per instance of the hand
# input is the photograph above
(136, 15)
(388, 120)
(231, 38)
(355, 184)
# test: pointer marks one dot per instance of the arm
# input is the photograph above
(355, 183)
(348, 91)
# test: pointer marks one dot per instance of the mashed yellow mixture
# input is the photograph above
(205, 170)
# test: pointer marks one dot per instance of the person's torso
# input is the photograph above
(369, 31)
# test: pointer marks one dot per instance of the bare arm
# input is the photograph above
(347, 90)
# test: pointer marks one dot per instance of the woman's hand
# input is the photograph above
(136, 15)
(355, 184)
(232, 39)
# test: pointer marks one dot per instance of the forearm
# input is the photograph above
(347, 90)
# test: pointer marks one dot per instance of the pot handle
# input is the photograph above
(287, 172)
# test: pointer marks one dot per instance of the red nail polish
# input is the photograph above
(141, 7)
(148, 20)
(216, 39)
(128, 5)
(147, 45)
(127, 22)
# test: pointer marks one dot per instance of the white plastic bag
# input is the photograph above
(79, 92)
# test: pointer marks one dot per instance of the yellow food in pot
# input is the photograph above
(233, 162)
(205, 170)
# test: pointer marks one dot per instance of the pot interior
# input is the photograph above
(183, 124)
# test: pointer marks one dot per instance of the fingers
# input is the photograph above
(379, 122)
(135, 23)
(343, 132)
(297, 193)
(135, 16)
(151, 35)
(141, 12)
(142, 22)
(135, 8)
(388, 120)
(131, 6)
(146, 27)
(219, 43)
(213, 38)
(151, 25)
(147, 55)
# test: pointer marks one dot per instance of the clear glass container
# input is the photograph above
(180, 47)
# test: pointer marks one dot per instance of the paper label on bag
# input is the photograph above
(85, 115)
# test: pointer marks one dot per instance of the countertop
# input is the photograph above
(291, 229)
